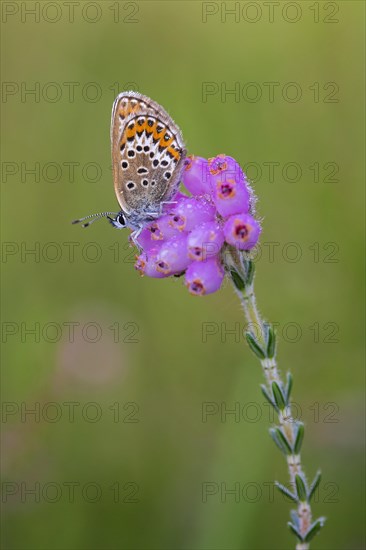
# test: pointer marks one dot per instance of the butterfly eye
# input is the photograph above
(121, 219)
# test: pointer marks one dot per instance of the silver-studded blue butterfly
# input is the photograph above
(148, 156)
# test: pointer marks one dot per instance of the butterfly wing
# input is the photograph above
(147, 153)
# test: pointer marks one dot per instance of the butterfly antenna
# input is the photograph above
(95, 218)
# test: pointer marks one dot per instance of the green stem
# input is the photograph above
(241, 273)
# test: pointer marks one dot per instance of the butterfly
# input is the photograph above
(148, 155)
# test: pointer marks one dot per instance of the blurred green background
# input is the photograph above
(119, 451)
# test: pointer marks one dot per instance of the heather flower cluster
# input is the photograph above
(191, 236)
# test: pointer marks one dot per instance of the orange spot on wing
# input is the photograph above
(127, 134)
(173, 152)
(157, 134)
(164, 143)
(150, 129)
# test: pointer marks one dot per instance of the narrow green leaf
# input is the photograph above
(295, 518)
(254, 346)
(288, 387)
(299, 437)
(250, 272)
(278, 396)
(280, 440)
(267, 396)
(314, 485)
(314, 529)
(265, 327)
(273, 434)
(282, 437)
(286, 491)
(301, 488)
(295, 531)
(237, 280)
(271, 342)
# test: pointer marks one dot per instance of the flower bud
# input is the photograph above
(162, 229)
(204, 277)
(205, 241)
(196, 176)
(242, 231)
(145, 239)
(224, 163)
(229, 187)
(145, 263)
(190, 212)
(172, 257)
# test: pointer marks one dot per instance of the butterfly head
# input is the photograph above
(119, 221)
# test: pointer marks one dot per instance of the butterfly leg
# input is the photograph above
(134, 236)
